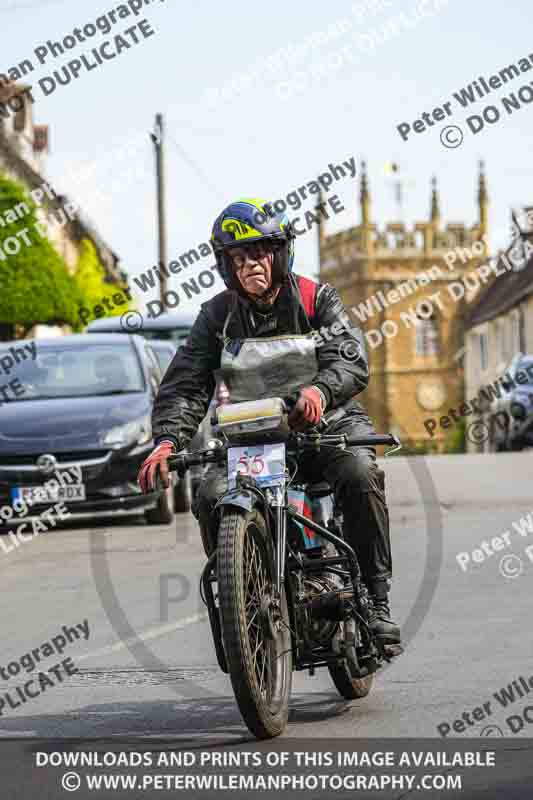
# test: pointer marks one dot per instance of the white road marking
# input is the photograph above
(146, 636)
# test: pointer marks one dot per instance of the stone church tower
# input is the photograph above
(408, 291)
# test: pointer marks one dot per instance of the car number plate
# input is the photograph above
(265, 463)
(75, 493)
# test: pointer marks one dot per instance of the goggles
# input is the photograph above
(253, 251)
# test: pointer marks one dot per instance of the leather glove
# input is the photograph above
(307, 410)
(156, 460)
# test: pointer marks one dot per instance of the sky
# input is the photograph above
(259, 99)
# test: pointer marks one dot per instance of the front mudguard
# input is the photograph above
(242, 498)
(248, 499)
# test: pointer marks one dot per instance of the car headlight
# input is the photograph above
(137, 432)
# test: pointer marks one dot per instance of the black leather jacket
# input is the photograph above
(187, 388)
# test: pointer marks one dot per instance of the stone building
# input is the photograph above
(499, 325)
(408, 290)
(23, 148)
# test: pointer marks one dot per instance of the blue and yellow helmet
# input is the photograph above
(251, 220)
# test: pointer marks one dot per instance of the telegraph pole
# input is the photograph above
(157, 138)
(321, 233)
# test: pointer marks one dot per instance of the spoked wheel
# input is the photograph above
(255, 629)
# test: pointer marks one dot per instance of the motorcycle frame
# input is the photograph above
(273, 502)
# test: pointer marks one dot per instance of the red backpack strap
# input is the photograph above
(307, 289)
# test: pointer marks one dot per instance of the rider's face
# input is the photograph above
(253, 270)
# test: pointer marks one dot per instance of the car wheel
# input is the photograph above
(163, 513)
(183, 495)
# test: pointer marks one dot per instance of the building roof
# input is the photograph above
(505, 292)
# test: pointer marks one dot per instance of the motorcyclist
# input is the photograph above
(260, 337)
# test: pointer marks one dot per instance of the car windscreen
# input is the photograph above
(175, 335)
(87, 370)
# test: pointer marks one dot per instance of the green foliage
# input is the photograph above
(455, 441)
(90, 274)
(36, 284)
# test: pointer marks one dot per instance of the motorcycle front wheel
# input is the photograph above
(256, 636)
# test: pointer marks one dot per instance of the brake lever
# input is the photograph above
(322, 425)
(397, 446)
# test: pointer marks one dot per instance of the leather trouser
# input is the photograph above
(359, 489)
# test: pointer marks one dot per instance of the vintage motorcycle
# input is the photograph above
(283, 589)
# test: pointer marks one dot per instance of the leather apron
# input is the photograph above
(267, 366)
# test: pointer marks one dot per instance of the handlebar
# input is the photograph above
(373, 439)
(181, 462)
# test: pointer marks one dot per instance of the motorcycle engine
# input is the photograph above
(321, 631)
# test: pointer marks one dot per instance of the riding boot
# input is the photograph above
(381, 623)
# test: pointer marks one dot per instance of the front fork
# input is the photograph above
(276, 500)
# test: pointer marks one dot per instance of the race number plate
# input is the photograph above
(265, 463)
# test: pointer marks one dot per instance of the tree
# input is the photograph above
(455, 441)
(36, 285)
(90, 278)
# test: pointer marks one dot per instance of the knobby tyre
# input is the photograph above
(260, 667)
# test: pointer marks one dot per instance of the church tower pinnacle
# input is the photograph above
(483, 200)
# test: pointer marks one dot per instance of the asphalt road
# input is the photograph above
(148, 667)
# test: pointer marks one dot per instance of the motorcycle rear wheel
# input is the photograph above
(260, 667)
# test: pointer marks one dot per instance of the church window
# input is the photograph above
(426, 337)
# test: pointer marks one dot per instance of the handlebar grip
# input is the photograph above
(372, 439)
(181, 462)
(178, 463)
(289, 402)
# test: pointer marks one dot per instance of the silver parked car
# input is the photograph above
(511, 414)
